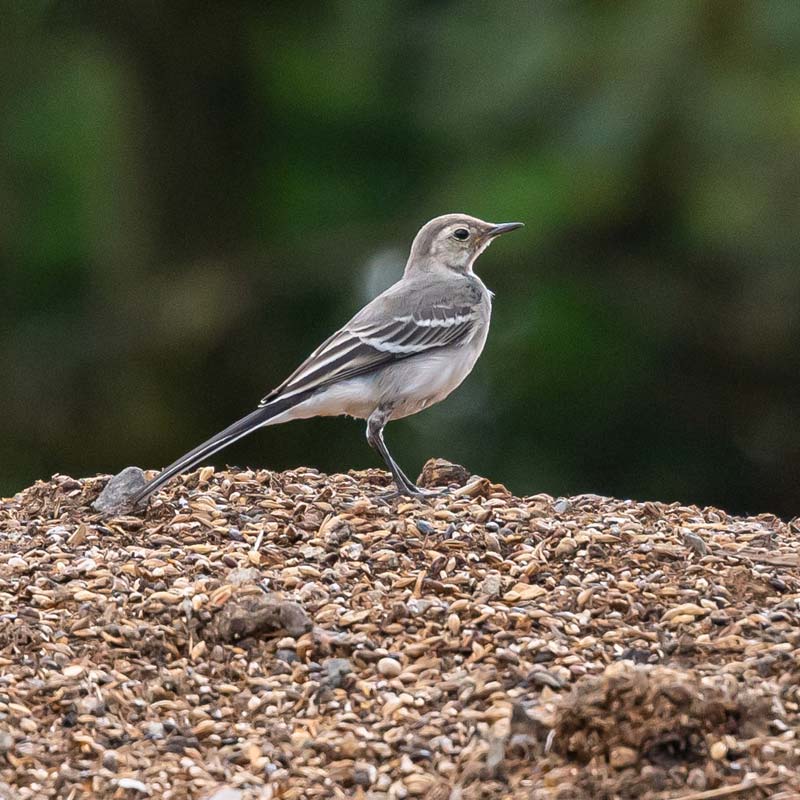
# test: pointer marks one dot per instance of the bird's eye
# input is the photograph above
(461, 234)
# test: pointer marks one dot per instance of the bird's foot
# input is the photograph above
(417, 491)
(386, 498)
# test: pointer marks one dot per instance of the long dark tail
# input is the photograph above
(261, 416)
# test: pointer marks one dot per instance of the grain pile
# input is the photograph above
(295, 635)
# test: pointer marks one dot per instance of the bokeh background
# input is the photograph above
(193, 195)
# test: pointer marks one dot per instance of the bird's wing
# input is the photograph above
(378, 337)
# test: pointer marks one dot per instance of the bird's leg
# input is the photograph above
(375, 438)
(405, 485)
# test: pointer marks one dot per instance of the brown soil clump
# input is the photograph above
(665, 716)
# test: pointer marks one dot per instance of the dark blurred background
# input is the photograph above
(193, 195)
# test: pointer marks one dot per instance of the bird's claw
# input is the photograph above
(418, 491)
(411, 490)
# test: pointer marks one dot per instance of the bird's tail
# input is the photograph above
(256, 419)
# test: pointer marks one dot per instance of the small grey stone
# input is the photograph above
(776, 583)
(336, 669)
(353, 551)
(119, 491)
(294, 619)
(417, 607)
(694, 542)
(545, 678)
(312, 552)
(491, 584)
(364, 774)
(562, 506)
(154, 730)
(243, 575)
(289, 656)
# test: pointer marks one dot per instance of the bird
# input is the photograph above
(407, 349)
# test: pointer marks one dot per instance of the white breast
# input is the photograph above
(411, 387)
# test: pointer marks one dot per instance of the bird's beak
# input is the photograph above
(505, 227)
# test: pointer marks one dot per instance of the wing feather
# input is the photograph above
(362, 347)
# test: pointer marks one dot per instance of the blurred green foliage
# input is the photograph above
(195, 194)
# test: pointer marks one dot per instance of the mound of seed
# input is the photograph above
(296, 635)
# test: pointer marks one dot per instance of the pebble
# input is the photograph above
(622, 757)
(133, 785)
(492, 584)
(154, 730)
(566, 547)
(389, 667)
(718, 750)
(284, 654)
(695, 542)
(336, 670)
(119, 490)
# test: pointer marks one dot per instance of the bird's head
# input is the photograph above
(454, 241)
